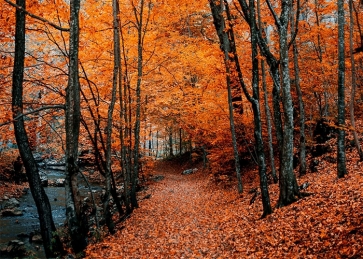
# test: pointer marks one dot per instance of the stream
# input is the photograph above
(19, 227)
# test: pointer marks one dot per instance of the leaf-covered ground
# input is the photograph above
(189, 216)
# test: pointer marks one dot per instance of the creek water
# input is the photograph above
(18, 227)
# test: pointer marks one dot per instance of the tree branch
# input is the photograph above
(60, 106)
(296, 24)
(36, 16)
(272, 10)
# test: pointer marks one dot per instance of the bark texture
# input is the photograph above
(341, 163)
(77, 226)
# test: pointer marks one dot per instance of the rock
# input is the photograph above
(189, 171)
(11, 212)
(11, 203)
(15, 248)
(158, 178)
(37, 239)
(59, 183)
(5, 198)
(43, 178)
(38, 157)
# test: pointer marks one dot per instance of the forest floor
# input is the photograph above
(190, 216)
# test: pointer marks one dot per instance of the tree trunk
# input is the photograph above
(354, 83)
(171, 153)
(289, 189)
(76, 225)
(116, 68)
(268, 122)
(219, 23)
(341, 166)
(267, 109)
(302, 151)
(273, 64)
(255, 101)
(52, 245)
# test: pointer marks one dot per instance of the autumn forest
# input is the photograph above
(212, 129)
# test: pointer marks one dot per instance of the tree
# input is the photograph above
(341, 166)
(52, 245)
(226, 44)
(353, 80)
(302, 147)
(77, 226)
(115, 81)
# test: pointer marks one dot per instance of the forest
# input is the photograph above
(183, 129)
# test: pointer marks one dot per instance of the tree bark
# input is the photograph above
(76, 225)
(219, 23)
(108, 176)
(354, 83)
(289, 189)
(267, 109)
(257, 115)
(52, 245)
(273, 64)
(341, 165)
(302, 148)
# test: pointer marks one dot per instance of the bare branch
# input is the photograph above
(60, 106)
(272, 10)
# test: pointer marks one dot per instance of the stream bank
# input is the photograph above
(24, 229)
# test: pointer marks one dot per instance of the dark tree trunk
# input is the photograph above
(116, 68)
(171, 153)
(354, 83)
(52, 245)
(77, 226)
(222, 32)
(267, 109)
(342, 170)
(302, 148)
(255, 101)
(289, 190)
(273, 64)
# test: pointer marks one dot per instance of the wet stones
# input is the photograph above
(11, 208)
(15, 248)
(189, 171)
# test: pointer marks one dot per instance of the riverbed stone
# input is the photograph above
(43, 178)
(37, 239)
(189, 171)
(11, 203)
(59, 183)
(15, 248)
(11, 212)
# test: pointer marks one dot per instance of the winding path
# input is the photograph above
(180, 220)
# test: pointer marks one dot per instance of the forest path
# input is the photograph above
(188, 216)
(182, 219)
